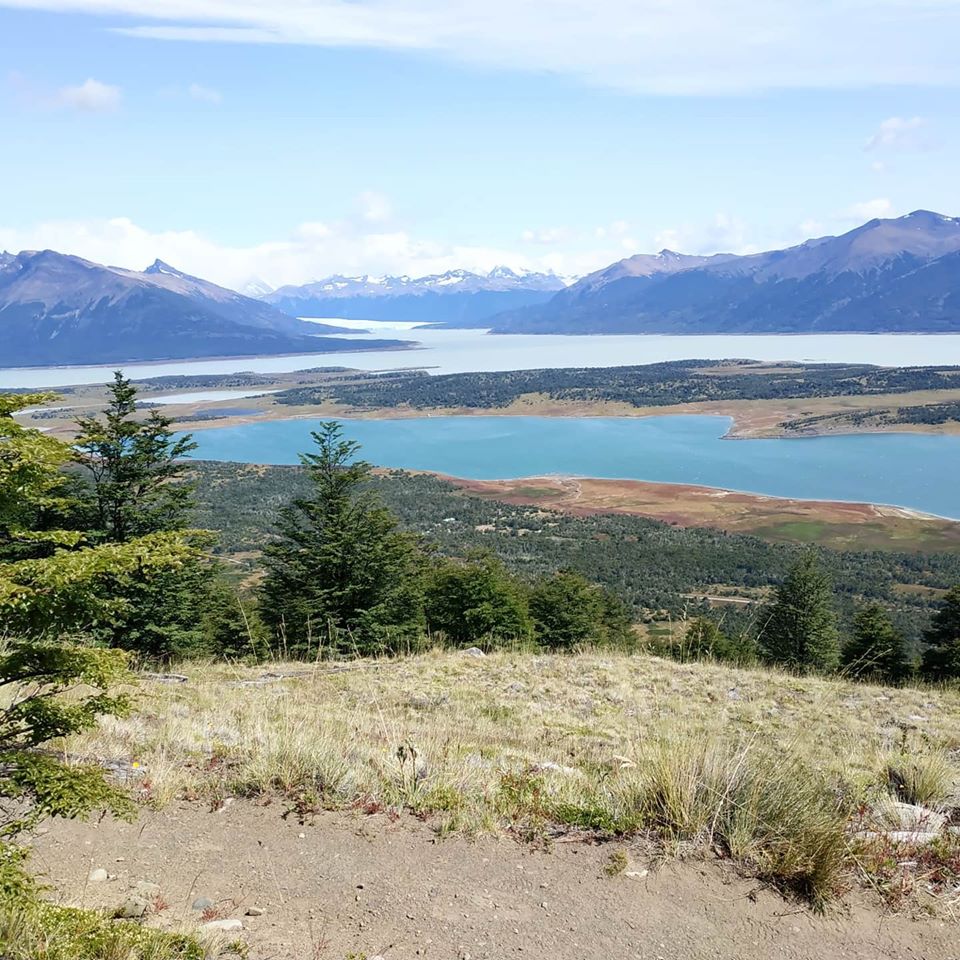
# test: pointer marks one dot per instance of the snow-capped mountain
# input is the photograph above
(445, 297)
(256, 288)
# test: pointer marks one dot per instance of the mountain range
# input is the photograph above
(896, 275)
(458, 296)
(59, 309)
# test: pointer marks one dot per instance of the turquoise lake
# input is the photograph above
(908, 470)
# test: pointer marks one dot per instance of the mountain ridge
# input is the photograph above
(61, 309)
(882, 276)
(451, 296)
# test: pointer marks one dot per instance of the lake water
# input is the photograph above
(908, 470)
(461, 351)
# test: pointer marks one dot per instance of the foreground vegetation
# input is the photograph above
(777, 771)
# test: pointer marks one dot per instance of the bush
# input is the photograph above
(764, 809)
(477, 602)
(568, 611)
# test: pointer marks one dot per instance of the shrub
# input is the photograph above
(569, 611)
(767, 810)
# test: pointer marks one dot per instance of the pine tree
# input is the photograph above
(136, 467)
(341, 577)
(53, 684)
(801, 631)
(877, 650)
(941, 658)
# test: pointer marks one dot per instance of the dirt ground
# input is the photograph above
(350, 884)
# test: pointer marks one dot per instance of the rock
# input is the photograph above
(255, 911)
(904, 817)
(636, 874)
(230, 925)
(147, 890)
(473, 652)
(916, 837)
(548, 766)
(733, 693)
(97, 876)
(165, 677)
(203, 903)
(132, 908)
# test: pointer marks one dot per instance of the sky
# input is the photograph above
(292, 139)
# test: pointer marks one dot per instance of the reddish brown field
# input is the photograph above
(860, 526)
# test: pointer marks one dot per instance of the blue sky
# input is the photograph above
(299, 138)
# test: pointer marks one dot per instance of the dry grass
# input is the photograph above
(761, 766)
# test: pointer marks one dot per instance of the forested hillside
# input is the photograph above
(650, 564)
(655, 384)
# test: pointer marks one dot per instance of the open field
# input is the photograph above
(844, 526)
(772, 771)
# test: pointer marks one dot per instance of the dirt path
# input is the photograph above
(363, 885)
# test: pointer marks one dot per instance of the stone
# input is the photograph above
(230, 925)
(916, 837)
(473, 652)
(255, 911)
(203, 903)
(147, 890)
(898, 816)
(133, 908)
(549, 766)
(97, 876)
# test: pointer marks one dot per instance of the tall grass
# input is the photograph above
(768, 811)
(756, 765)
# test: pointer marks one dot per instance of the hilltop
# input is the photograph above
(895, 275)
(59, 309)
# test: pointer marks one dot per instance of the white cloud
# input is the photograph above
(723, 234)
(204, 94)
(869, 210)
(651, 46)
(546, 236)
(91, 96)
(375, 207)
(900, 133)
(312, 250)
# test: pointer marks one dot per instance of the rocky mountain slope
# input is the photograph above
(899, 275)
(59, 309)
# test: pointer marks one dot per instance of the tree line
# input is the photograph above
(799, 631)
(655, 384)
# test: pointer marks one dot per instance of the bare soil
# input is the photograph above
(857, 526)
(365, 885)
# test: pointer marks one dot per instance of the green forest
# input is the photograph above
(656, 384)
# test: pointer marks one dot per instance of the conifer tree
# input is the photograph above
(138, 473)
(941, 657)
(341, 577)
(801, 630)
(877, 650)
(136, 466)
(53, 683)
